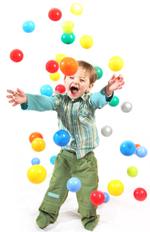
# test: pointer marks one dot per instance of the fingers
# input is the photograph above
(15, 104)
(19, 90)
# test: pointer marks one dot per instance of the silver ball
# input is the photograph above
(126, 107)
(106, 131)
(56, 93)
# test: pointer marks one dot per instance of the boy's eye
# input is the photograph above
(82, 80)
(71, 77)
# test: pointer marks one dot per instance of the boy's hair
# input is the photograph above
(89, 68)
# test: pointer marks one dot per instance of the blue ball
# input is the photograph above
(107, 197)
(35, 161)
(127, 148)
(61, 138)
(46, 90)
(52, 159)
(28, 26)
(141, 152)
(73, 184)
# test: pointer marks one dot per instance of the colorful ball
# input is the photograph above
(68, 27)
(127, 148)
(115, 63)
(35, 161)
(97, 197)
(115, 188)
(59, 57)
(61, 138)
(141, 151)
(52, 66)
(86, 41)
(60, 88)
(28, 26)
(68, 38)
(99, 72)
(140, 194)
(76, 9)
(114, 102)
(36, 174)
(107, 197)
(35, 135)
(16, 55)
(52, 159)
(54, 76)
(38, 144)
(46, 90)
(55, 14)
(106, 131)
(73, 184)
(132, 171)
(68, 66)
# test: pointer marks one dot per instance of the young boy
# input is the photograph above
(76, 114)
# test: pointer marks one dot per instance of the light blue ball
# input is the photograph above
(28, 26)
(141, 152)
(107, 197)
(61, 138)
(52, 159)
(73, 184)
(46, 90)
(35, 161)
(127, 148)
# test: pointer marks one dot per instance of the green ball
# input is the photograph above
(99, 72)
(114, 101)
(132, 171)
(68, 38)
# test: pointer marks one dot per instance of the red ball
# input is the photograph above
(52, 66)
(97, 197)
(140, 194)
(16, 55)
(60, 88)
(68, 66)
(35, 135)
(54, 14)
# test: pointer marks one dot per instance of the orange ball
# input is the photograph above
(35, 135)
(68, 66)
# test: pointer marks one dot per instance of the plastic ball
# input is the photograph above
(97, 197)
(141, 151)
(16, 55)
(68, 38)
(52, 159)
(126, 107)
(127, 148)
(59, 57)
(46, 90)
(115, 63)
(114, 102)
(132, 171)
(107, 197)
(38, 144)
(68, 66)
(115, 188)
(106, 131)
(54, 76)
(35, 161)
(36, 174)
(60, 88)
(99, 72)
(52, 66)
(86, 41)
(28, 26)
(73, 184)
(55, 14)
(140, 194)
(61, 138)
(137, 145)
(76, 9)
(35, 135)
(68, 27)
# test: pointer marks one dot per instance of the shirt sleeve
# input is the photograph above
(99, 99)
(38, 103)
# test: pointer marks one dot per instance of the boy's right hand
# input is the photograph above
(17, 97)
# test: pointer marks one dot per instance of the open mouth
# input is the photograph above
(74, 90)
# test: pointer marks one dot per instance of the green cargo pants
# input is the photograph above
(66, 166)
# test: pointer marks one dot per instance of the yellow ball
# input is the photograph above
(115, 188)
(86, 41)
(54, 76)
(36, 174)
(68, 27)
(76, 9)
(115, 63)
(38, 144)
(59, 57)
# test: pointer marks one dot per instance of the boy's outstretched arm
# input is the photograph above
(17, 97)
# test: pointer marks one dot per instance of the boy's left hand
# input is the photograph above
(115, 83)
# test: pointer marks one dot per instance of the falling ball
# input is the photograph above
(126, 107)
(141, 151)
(114, 102)
(52, 159)
(99, 72)
(68, 27)
(86, 41)
(16, 55)
(127, 148)
(115, 63)
(38, 144)
(132, 171)
(106, 131)
(36, 174)
(76, 9)
(54, 76)
(73, 184)
(68, 38)
(97, 197)
(52, 66)
(28, 26)
(115, 188)
(61, 138)
(140, 194)
(46, 90)
(55, 14)
(35, 161)
(60, 88)
(107, 197)
(35, 135)
(68, 66)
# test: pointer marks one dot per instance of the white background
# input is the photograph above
(117, 27)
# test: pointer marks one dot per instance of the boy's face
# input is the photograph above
(78, 84)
